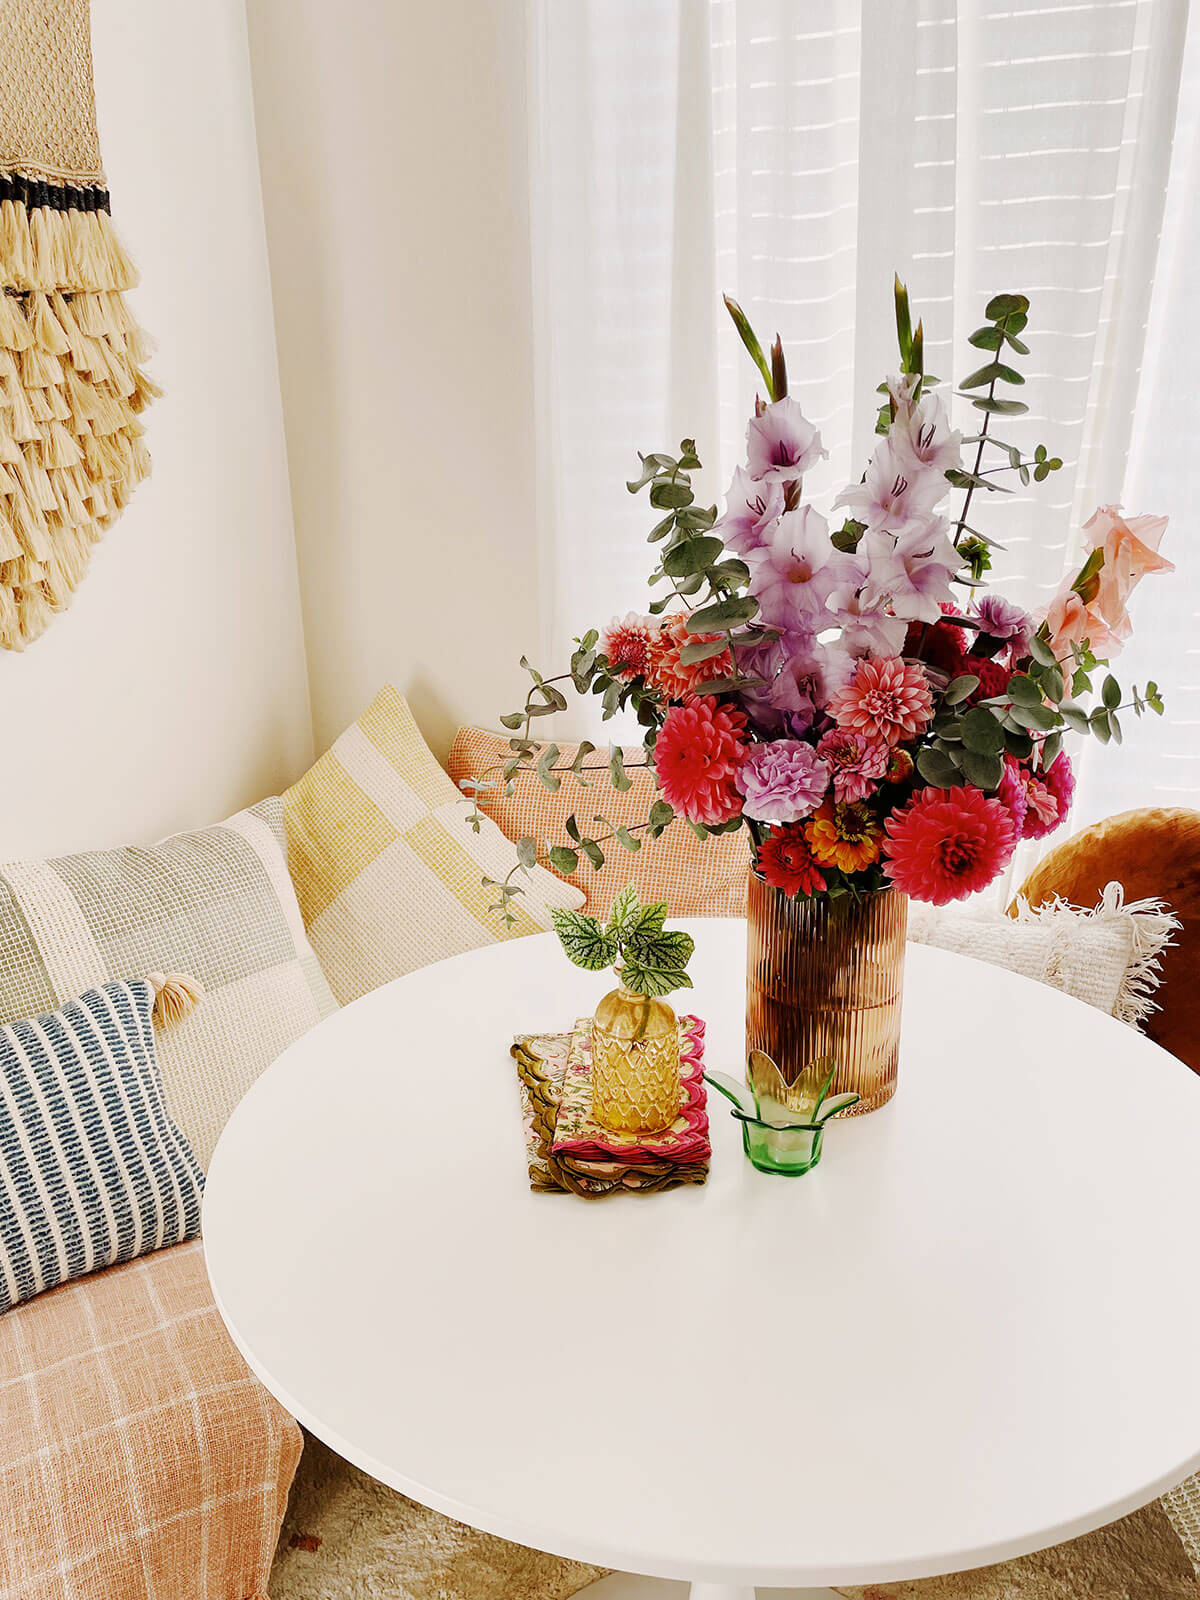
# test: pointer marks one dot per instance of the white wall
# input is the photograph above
(393, 148)
(174, 691)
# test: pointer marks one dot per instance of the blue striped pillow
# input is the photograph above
(92, 1169)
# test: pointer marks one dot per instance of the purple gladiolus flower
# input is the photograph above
(914, 571)
(797, 569)
(782, 443)
(750, 506)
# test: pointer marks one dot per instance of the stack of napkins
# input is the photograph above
(568, 1150)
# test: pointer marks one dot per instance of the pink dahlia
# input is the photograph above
(782, 781)
(697, 754)
(1012, 793)
(1048, 798)
(885, 700)
(947, 843)
(665, 670)
(625, 644)
(856, 762)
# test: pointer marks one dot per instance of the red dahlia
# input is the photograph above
(941, 644)
(786, 862)
(947, 843)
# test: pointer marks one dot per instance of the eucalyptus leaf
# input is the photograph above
(1050, 749)
(691, 555)
(937, 768)
(668, 493)
(616, 768)
(725, 614)
(1023, 690)
(701, 650)
(982, 733)
(960, 688)
(984, 771)
(563, 860)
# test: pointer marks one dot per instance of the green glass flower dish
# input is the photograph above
(775, 1137)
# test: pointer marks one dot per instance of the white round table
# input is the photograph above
(968, 1334)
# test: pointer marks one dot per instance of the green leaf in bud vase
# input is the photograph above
(563, 860)
(1110, 692)
(587, 944)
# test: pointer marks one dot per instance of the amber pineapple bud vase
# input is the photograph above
(635, 1063)
(825, 978)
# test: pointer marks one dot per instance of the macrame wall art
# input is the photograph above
(71, 385)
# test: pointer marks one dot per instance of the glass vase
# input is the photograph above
(825, 978)
(635, 1063)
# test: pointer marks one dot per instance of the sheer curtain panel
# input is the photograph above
(795, 156)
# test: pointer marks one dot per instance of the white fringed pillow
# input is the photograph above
(1108, 956)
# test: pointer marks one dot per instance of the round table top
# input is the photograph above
(968, 1334)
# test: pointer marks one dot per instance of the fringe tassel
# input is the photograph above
(71, 390)
(1153, 927)
(175, 996)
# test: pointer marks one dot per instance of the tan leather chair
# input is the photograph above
(1153, 853)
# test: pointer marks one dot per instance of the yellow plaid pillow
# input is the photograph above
(386, 865)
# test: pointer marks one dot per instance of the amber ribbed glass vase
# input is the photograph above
(825, 978)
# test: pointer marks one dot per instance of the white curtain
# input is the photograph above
(795, 156)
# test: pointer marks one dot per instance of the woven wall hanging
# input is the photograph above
(71, 388)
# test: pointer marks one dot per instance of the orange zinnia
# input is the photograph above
(845, 835)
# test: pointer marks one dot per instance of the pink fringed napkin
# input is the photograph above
(567, 1149)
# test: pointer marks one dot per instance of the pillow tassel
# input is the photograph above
(176, 996)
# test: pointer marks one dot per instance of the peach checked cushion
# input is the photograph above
(139, 1458)
(696, 877)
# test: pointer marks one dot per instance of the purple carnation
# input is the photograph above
(782, 781)
(1003, 620)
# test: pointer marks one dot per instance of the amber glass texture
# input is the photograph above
(825, 978)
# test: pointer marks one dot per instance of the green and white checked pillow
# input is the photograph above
(217, 904)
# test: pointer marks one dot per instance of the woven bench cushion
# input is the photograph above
(139, 1458)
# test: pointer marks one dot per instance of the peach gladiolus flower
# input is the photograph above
(1071, 622)
(1130, 552)
(1130, 546)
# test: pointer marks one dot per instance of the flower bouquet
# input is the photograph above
(849, 690)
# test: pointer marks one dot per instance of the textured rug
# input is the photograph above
(346, 1537)
(1139, 1558)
